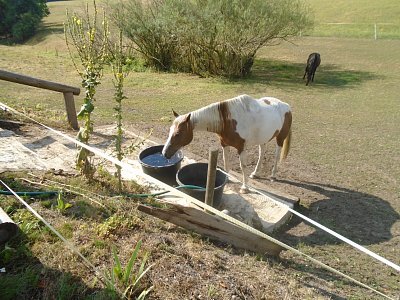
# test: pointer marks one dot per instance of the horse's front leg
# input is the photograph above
(243, 158)
(261, 152)
(226, 158)
(275, 168)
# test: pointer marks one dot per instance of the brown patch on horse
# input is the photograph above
(266, 101)
(283, 133)
(228, 135)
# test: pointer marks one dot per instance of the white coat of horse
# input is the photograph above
(239, 122)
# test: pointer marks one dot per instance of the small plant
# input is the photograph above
(61, 204)
(126, 279)
(90, 42)
(116, 223)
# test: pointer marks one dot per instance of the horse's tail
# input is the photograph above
(286, 145)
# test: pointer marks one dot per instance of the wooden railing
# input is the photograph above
(68, 92)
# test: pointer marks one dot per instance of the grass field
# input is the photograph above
(356, 18)
(344, 162)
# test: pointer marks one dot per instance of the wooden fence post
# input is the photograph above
(71, 112)
(68, 91)
(211, 174)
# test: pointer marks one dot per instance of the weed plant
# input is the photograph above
(82, 33)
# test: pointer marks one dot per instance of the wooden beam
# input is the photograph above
(211, 175)
(212, 226)
(71, 112)
(68, 91)
(39, 83)
(7, 227)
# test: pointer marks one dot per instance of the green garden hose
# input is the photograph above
(29, 193)
(192, 187)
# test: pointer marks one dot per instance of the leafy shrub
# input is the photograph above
(217, 37)
(20, 19)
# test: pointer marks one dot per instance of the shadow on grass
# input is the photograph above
(26, 277)
(290, 75)
(44, 31)
(360, 217)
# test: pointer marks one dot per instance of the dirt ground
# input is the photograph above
(369, 220)
(188, 267)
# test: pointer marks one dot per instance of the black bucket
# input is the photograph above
(196, 174)
(156, 165)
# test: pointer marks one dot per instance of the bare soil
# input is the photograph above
(187, 266)
(369, 220)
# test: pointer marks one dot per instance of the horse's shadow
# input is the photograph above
(361, 217)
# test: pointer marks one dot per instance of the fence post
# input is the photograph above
(211, 175)
(71, 112)
(375, 31)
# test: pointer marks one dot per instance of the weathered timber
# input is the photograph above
(7, 227)
(213, 226)
(211, 174)
(39, 83)
(68, 91)
(71, 112)
(10, 125)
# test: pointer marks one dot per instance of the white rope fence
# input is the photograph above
(324, 228)
(217, 212)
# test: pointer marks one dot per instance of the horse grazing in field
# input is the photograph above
(313, 61)
(239, 122)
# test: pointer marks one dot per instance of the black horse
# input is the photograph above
(313, 61)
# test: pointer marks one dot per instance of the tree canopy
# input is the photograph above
(19, 19)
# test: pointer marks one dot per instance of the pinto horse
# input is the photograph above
(239, 122)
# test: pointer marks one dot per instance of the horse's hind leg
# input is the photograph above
(275, 168)
(261, 152)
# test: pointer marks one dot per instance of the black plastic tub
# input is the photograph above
(196, 174)
(156, 165)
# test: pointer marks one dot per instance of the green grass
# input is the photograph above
(356, 18)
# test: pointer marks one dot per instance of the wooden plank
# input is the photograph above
(211, 174)
(7, 227)
(71, 112)
(212, 226)
(39, 83)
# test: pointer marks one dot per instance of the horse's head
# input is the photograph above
(180, 134)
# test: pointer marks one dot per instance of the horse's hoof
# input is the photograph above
(272, 179)
(244, 190)
(253, 176)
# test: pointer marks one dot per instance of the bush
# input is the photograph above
(20, 19)
(216, 37)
